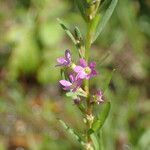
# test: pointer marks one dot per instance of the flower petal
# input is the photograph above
(68, 55)
(78, 69)
(61, 60)
(65, 83)
(94, 73)
(92, 65)
(72, 78)
(83, 63)
(81, 75)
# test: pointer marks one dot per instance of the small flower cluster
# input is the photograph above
(80, 72)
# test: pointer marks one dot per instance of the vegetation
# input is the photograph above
(31, 99)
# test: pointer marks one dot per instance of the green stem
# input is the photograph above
(88, 41)
(91, 26)
(89, 111)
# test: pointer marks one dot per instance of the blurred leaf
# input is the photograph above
(47, 74)
(105, 18)
(101, 143)
(72, 132)
(25, 56)
(127, 17)
(98, 123)
(144, 142)
(106, 55)
(50, 34)
(107, 81)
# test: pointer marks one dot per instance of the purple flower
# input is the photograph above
(64, 61)
(99, 97)
(85, 71)
(73, 84)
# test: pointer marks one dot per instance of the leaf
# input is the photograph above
(105, 18)
(95, 141)
(81, 94)
(101, 143)
(107, 82)
(82, 7)
(97, 125)
(78, 33)
(72, 132)
(73, 95)
(67, 31)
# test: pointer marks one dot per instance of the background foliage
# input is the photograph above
(30, 98)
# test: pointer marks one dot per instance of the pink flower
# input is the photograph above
(85, 71)
(64, 61)
(73, 84)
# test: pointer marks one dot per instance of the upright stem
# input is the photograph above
(87, 51)
(88, 41)
(86, 86)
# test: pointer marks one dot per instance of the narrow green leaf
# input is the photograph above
(101, 143)
(95, 141)
(107, 82)
(78, 33)
(82, 4)
(97, 125)
(105, 18)
(72, 132)
(64, 27)
(104, 5)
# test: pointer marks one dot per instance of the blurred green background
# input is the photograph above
(30, 97)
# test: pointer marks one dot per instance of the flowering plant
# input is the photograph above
(76, 81)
